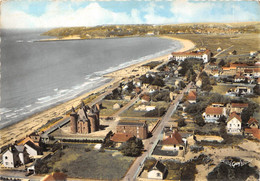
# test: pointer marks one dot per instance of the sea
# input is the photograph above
(38, 75)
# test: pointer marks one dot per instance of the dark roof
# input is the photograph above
(158, 166)
(32, 145)
(131, 123)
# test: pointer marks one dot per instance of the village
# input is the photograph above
(181, 118)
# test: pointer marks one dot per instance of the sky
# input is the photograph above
(71, 13)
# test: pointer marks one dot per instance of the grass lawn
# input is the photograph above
(132, 113)
(93, 164)
(108, 107)
(221, 89)
(209, 127)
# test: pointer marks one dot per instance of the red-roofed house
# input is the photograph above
(253, 123)
(192, 96)
(238, 107)
(212, 114)
(234, 123)
(173, 142)
(201, 54)
(254, 132)
(120, 138)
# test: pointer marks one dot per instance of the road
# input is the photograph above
(215, 56)
(150, 143)
(65, 120)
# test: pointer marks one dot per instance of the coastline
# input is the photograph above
(25, 127)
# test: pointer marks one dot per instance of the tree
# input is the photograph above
(221, 63)
(107, 142)
(181, 123)
(248, 112)
(256, 89)
(133, 147)
(158, 81)
(199, 120)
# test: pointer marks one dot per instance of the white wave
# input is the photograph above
(12, 114)
(56, 89)
(28, 106)
(4, 110)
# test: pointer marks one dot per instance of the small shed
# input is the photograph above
(117, 106)
(157, 171)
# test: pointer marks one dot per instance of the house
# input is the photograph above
(55, 176)
(120, 138)
(237, 107)
(253, 123)
(203, 54)
(243, 90)
(254, 132)
(199, 83)
(174, 142)
(157, 171)
(15, 156)
(153, 88)
(32, 149)
(192, 96)
(234, 123)
(145, 98)
(145, 108)
(138, 129)
(25, 140)
(127, 98)
(212, 114)
(137, 82)
(137, 90)
(117, 106)
(240, 78)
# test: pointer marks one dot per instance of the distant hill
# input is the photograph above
(108, 31)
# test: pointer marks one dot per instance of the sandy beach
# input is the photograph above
(25, 127)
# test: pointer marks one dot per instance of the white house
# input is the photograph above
(243, 90)
(15, 156)
(32, 149)
(234, 124)
(174, 143)
(212, 114)
(157, 171)
(10, 159)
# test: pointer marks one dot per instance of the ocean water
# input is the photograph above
(38, 75)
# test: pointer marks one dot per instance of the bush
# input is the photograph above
(133, 147)
(156, 112)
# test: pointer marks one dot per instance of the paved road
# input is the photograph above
(149, 144)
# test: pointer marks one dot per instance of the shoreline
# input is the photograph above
(25, 127)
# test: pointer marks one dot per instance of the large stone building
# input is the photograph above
(138, 129)
(86, 120)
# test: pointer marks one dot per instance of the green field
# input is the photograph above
(107, 105)
(221, 89)
(132, 113)
(78, 163)
(242, 43)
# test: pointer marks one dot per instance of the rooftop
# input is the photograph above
(214, 110)
(121, 137)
